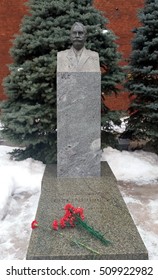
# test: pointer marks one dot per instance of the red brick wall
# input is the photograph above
(11, 13)
(122, 16)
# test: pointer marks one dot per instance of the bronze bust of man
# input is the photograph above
(78, 58)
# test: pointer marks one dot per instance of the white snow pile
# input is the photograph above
(17, 177)
(139, 166)
(20, 184)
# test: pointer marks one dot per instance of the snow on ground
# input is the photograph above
(20, 182)
(139, 166)
(142, 202)
(137, 175)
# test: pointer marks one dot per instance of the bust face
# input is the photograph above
(78, 37)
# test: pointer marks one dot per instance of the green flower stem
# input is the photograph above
(92, 231)
(78, 243)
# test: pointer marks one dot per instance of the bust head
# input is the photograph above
(78, 35)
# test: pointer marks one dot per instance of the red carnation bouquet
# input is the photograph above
(74, 217)
(70, 217)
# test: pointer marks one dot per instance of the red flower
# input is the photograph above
(79, 211)
(63, 222)
(69, 207)
(34, 224)
(72, 221)
(82, 217)
(67, 215)
(55, 225)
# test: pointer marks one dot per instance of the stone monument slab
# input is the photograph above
(104, 209)
(78, 124)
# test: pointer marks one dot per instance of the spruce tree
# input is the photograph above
(29, 113)
(143, 75)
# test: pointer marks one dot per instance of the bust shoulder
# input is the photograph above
(88, 52)
(62, 53)
(92, 53)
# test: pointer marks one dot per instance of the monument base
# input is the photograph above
(104, 209)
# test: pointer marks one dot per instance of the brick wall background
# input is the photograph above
(122, 16)
(11, 13)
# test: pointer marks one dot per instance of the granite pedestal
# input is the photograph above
(104, 209)
(78, 124)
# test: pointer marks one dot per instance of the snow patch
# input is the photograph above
(17, 177)
(138, 166)
(151, 242)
